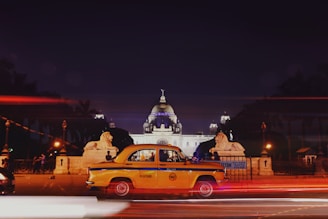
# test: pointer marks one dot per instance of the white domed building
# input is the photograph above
(163, 127)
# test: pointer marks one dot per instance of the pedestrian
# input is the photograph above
(10, 166)
(42, 162)
(195, 158)
(5, 163)
(108, 156)
(36, 164)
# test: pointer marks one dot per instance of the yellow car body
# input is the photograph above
(154, 168)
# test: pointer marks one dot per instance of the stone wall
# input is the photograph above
(256, 165)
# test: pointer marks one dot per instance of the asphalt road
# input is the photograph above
(228, 208)
(287, 197)
(74, 185)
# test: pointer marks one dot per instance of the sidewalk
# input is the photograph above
(65, 179)
(40, 184)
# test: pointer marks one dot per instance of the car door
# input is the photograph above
(143, 169)
(172, 171)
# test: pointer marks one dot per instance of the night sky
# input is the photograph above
(208, 56)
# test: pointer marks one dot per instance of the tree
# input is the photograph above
(296, 113)
(14, 83)
(27, 120)
(84, 109)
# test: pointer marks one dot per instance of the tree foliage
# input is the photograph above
(39, 125)
(296, 117)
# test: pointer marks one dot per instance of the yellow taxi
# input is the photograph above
(154, 168)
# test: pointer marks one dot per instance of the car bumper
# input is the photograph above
(7, 189)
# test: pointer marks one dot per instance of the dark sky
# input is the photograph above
(207, 55)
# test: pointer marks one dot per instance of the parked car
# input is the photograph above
(157, 169)
(7, 182)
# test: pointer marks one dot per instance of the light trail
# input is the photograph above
(225, 200)
(31, 100)
(58, 207)
(228, 208)
(291, 98)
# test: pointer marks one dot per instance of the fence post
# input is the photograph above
(251, 167)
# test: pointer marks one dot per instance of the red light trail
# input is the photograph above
(30, 100)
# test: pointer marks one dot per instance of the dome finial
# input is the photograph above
(162, 99)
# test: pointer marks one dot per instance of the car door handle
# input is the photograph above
(128, 164)
(162, 164)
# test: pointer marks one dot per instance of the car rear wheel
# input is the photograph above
(121, 188)
(204, 189)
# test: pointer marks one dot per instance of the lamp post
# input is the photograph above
(5, 150)
(63, 150)
(264, 151)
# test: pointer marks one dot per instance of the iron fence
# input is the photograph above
(295, 167)
(28, 166)
(237, 167)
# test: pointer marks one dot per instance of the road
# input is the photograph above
(228, 208)
(74, 185)
(292, 198)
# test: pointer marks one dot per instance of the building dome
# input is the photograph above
(162, 117)
(162, 108)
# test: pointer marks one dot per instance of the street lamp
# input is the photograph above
(5, 150)
(264, 149)
(268, 146)
(63, 150)
(56, 144)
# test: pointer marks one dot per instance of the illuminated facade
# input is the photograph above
(163, 127)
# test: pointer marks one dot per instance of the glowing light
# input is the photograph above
(57, 144)
(268, 146)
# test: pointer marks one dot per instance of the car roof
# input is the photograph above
(146, 146)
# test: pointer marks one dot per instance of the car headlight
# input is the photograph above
(2, 177)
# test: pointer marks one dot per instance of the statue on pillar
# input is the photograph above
(104, 143)
(99, 151)
(223, 147)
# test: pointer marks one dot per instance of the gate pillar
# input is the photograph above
(265, 166)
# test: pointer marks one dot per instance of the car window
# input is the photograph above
(143, 155)
(170, 156)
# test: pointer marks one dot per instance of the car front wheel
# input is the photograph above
(204, 189)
